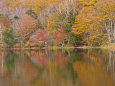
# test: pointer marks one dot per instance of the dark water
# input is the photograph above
(71, 67)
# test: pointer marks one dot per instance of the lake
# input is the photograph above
(59, 67)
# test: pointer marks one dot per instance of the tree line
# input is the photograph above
(59, 22)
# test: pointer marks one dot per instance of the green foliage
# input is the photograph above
(75, 39)
(95, 44)
(39, 25)
(62, 16)
(16, 17)
(71, 18)
(31, 13)
(69, 21)
(9, 37)
(1, 15)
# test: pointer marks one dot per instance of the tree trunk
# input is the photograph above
(108, 32)
(63, 43)
(114, 31)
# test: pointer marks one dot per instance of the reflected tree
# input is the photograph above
(10, 59)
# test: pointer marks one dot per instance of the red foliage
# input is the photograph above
(39, 35)
(60, 35)
(40, 59)
(4, 22)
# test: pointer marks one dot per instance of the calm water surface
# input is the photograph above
(71, 67)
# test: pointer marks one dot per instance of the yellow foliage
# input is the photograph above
(38, 5)
(89, 21)
(87, 2)
(27, 43)
(28, 53)
(86, 20)
(1, 45)
(40, 42)
(52, 20)
(12, 3)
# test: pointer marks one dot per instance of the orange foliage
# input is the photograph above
(27, 25)
(60, 60)
(60, 35)
(39, 37)
(4, 22)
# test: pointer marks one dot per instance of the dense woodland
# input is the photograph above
(33, 23)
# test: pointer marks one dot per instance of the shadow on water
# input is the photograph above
(63, 67)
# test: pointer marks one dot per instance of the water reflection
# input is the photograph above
(72, 67)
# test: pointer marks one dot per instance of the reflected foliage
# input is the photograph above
(10, 59)
(63, 67)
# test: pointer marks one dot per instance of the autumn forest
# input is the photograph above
(57, 42)
(61, 23)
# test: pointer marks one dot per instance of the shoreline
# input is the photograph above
(80, 47)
